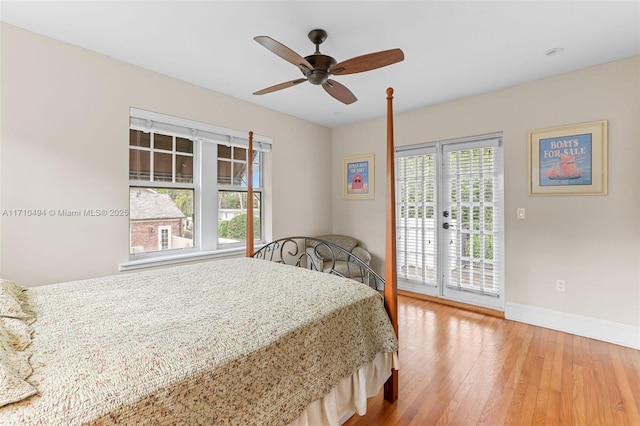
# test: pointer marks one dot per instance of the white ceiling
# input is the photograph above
(453, 49)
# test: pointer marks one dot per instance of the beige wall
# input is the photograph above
(592, 242)
(64, 138)
(64, 145)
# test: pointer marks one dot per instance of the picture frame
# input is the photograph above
(568, 160)
(358, 177)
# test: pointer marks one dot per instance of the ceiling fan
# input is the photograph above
(317, 68)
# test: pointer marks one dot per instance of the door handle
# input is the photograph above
(446, 225)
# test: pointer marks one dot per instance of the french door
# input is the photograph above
(449, 200)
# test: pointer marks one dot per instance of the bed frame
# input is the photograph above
(320, 255)
(295, 250)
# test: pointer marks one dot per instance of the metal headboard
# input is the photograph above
(320, 255)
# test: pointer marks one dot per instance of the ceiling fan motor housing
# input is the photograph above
(321, 64)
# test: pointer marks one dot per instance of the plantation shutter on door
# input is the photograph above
(416, 171)
(449, 219)
(472, 206)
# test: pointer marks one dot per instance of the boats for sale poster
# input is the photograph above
(566, 160)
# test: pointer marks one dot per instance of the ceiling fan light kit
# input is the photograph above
(318, 68)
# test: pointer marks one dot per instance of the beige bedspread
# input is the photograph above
(240, 341)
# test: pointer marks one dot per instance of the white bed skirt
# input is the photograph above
(350, 395)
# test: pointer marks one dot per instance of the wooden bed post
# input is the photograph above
(250, 196)
(390, 290)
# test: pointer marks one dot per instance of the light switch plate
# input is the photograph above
(521, 213)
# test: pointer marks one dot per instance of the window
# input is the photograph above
(161, 193)
(232, 195)
(188, 188)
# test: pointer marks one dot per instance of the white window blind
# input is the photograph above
(416, 205)
(147, 121)
(473, 196)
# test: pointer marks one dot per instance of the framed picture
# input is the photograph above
(357, 177)
(569, 160)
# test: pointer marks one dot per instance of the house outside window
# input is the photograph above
(188, 188)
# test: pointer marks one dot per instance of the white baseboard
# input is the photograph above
(607, 331)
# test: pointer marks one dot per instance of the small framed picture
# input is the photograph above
(569, 160)
(358, 177)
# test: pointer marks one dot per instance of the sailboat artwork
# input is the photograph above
(564, 169)
(565, 161)
(568, 160)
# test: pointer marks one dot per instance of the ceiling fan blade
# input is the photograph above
(280, 86)
(283, 51)
(339, 92)
(368, 62)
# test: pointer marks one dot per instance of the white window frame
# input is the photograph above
(206, 139)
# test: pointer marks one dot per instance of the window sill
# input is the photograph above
(181, 258)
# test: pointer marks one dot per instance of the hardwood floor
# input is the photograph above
(464, 368)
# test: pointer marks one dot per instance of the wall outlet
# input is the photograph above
(560, 285)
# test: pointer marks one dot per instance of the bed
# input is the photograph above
(234, 341)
